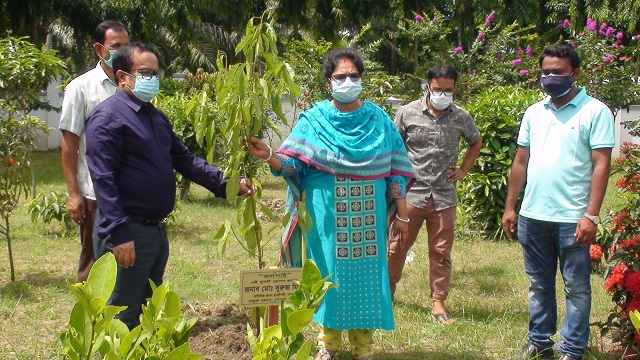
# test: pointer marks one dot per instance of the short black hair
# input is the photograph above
(563, 51)
(442, 71)
(123, 59)
(101, 30)
(331, 61)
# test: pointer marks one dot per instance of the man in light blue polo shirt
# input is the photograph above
(564, 158)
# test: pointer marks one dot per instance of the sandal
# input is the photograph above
(443, 318)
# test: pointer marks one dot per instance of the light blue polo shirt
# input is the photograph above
(560, 166)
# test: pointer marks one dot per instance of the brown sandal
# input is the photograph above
(443, 318)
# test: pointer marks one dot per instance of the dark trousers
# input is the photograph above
(132, 284)
(87, 255)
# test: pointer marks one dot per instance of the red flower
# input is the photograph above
(632, 284)
(634, 305)
(12, 162)
(595, 251)
(621, 160)
(616, 278)
(630, 243)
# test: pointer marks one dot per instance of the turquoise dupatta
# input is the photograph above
(363, 144)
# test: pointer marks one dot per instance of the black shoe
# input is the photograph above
(569, 357)
(531, 351)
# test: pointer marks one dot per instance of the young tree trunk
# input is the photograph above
(184, 191)
(9, 250)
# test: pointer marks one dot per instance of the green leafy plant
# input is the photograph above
(24, 71)
(497, 113)
(248, 95)
(285, 340)
(93, 331)
(50, 207)
(182, 111)
(17, 140)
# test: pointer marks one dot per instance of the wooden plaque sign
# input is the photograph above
(267, 286)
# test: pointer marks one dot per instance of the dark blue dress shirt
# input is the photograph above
(132, 151)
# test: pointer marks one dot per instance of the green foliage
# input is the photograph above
(248, 95)
(182, 109)
(49, 207)
(93, 331)
(306, 58)
(285, 340)
(18, 139)
(497, 113)
(25, 71)
(607, 68)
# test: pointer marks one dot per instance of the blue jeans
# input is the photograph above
(543, 244)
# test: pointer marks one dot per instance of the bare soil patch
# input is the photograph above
(221, 332)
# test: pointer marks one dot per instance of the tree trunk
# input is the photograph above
(184, 191)
(393, 65)
(9, 249)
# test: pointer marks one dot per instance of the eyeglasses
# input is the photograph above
(342, 77)
(147, 73)
(438, 92)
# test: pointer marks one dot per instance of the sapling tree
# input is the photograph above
(24, 72)
(248, 96)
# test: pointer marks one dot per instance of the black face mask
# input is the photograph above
(556, 85)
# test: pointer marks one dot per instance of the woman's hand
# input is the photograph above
(259, 149)
(400, 229)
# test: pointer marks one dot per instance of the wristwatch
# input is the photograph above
(594, 218)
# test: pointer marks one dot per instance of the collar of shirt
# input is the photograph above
(575, 102)
(101, 75)
(133, 102)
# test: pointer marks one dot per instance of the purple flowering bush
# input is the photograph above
(607, 67)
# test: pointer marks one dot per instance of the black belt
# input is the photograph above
(145, 221)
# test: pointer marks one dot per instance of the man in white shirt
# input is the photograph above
(81, 95)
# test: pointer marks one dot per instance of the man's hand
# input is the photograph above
(509, 223)
(456, 174)
(246, 188)
(586, 231)
(75, 206)
(125, 254)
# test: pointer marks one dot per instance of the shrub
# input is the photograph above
(621, 238)
(286, 340)
(24, 71)
(93, 332)
(497, 113)
(50, 207)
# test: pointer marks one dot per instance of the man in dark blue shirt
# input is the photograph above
(132, 151)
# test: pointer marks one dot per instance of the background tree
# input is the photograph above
(25, 71)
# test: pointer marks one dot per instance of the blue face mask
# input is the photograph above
(347, 90)
(145, 89)
(112, 54)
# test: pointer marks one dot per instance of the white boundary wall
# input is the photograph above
(622, 135)
(55, 95)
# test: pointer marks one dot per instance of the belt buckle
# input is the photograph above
(162, 222)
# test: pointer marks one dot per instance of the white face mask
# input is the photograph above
(346, 91)
(440, 101)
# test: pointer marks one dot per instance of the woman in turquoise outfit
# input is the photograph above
(346, 161)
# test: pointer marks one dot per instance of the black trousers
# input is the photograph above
(132, 284)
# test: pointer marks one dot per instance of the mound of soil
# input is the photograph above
(220, 333)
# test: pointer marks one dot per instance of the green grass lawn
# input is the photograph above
(488, 295)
